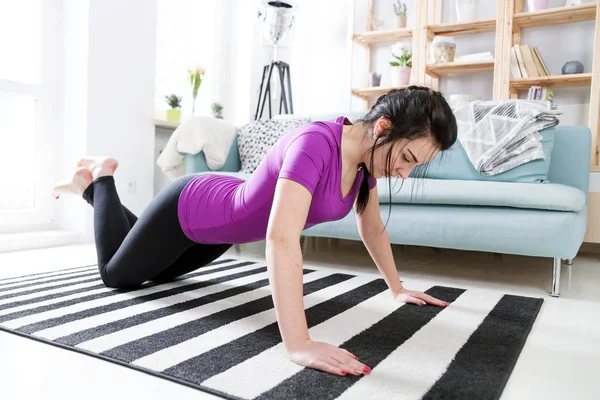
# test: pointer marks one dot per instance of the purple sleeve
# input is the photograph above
(372, 182)
(305, 160)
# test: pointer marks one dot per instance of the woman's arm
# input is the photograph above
(374, 236)
(284, 259)
(284, 262)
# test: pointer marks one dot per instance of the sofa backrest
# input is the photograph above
(569, 162)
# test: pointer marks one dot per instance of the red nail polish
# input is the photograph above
(367, 370)
(343, 372)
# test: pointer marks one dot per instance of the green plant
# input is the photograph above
(195, 76)
(405, 60)
(403, 53)
(216, 109)
(400, 8)
(173, 101)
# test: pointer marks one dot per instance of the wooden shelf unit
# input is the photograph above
(365, 93)
(555, 16)
(383, 36)
(515, 20)
(459, 67)
(507, 26)
(463, 28)
(555, 81)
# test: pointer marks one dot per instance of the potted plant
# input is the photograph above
(217, 110)
(402, 68)
(400, 10)
(174, 114)
(195, 76)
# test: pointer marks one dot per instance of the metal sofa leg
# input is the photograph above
(305, 244)
(556, 277)
(569, 261)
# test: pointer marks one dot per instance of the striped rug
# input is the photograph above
(215, 330)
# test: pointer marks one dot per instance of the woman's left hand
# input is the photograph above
(418, 298)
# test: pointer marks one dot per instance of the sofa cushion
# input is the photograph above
(455, 164)
(481, 193)
(256, 138)
(552, 196)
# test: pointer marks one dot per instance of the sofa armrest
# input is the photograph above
(570, 162)
(195, 163)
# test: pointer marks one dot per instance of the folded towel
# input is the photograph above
(501, 135)
(211, 135)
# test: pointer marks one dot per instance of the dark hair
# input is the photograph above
(413, 112)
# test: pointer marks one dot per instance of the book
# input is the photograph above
(524, 73)
(541, 94)
(515, 71)
(544, 67)
(528, 60)
(538, 63)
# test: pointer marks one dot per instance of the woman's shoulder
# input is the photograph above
(319, 131)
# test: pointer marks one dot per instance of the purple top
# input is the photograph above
(216, 209)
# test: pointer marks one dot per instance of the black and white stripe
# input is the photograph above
(215, 329)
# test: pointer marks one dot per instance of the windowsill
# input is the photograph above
(38, 239)
(161, 123)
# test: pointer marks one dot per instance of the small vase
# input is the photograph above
(400, 76)
(174, 115)
(400, 21)
(537, 5)
(375, 79)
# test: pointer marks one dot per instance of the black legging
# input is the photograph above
(132, 251)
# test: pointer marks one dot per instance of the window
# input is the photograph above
(185, 35)
(28, 94)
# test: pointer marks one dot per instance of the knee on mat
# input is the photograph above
(115, 282)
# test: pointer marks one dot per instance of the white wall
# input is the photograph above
(318, 62)
(108, 101)
(320, 57)
(72, 215)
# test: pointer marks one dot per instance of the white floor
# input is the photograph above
(560, 360)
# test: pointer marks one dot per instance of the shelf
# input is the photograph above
(383, 36)
(556, 16)
(459, 67)
(373, 91)
(555, 81)
(463, 28)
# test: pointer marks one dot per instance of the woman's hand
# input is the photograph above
(411, 296)
(327, 358)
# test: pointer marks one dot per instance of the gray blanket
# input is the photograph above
(501, 135)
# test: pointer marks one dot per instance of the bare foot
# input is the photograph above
(99, 166)
(82, 178)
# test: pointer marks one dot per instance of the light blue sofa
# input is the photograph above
(454, 207)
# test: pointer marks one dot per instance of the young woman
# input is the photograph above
(314, 174)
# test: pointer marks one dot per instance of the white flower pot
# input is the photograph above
(400, 76)
(466, 10)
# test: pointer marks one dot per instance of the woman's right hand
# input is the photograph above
(327, 358)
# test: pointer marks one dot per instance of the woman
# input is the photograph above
(313, 174)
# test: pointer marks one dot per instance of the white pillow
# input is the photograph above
(256, 138)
